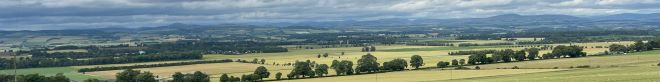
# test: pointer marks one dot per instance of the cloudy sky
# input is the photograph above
(64, 14)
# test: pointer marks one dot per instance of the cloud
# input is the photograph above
(61, 14)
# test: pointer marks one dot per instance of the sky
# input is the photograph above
(83, 14)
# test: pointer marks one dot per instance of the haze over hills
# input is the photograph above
(642, 21)
(504, 20)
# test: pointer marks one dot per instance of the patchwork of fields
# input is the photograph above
(431, 55)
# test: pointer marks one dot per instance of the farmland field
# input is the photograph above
(431, 55)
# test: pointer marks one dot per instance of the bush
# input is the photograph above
(461, 68)
(583, 66)
(477, 68)
(515, 67)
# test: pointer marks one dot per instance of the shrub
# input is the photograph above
(583, 66)
(477, 68)
(461, 68)
(515, 67)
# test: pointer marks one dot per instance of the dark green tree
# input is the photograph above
(178, 77)
(321, 70)
(395, 65)
(127, 75)
(225, 78)
(454, 62)
(368, 63)
(262, 72)
(145, 77)
(533, 53)
(519, 55)
(278, 76)
(416, 61)
(442, 64)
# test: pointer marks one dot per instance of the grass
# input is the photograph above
(431, 55)
(619, 74)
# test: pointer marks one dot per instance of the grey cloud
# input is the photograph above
(58, 14)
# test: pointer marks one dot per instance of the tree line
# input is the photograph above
(34, 78)
(151, 65)
(59, 62)
(509, 55)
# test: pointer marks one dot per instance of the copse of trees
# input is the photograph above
(476, 59)
(442, 64)
(416, 61)
(321, 70)
(519, 55)
(368, 48)
(130, 75)
(533, 53)
(395, 65)
(197, 76)
(301, 69)
(472, 52)
(262, 72)
(617, 48)
(151, 65)
(343, 67)
(569, 51)
(368, 63)
(59, 62)
(503, 55)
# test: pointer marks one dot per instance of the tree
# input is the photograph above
(302, 69)
(519, 55)
(255, 60)
(127, 75)
(278, 76)
(568, 51)
(373, 48)
(461, 61)
(506, 55)
(617, 48)
(225, 78)
(442, 64)
(638, 46)
(263, 61)
(93, 80)
(477, 67)
(416, 61)
(475, 59)
(321, 69)
(59, 77)
(395, 65)
(145, 77)
(325, 54)
(198, 76)
(262, 72)
(178, 77)
(454, 62)
(343, 67)
(368, 63)
(533, 53)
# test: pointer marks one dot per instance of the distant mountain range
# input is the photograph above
(496, 21)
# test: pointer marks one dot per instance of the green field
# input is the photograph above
(67, 71)
(431, 55)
